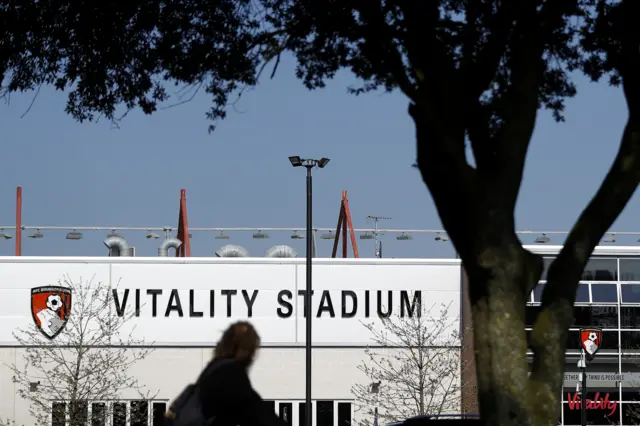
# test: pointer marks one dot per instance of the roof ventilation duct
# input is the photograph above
(281, 251)
(232, 250)
(118, 247)
(169, 243)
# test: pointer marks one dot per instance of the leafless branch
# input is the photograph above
(88, 362)
(416, 361)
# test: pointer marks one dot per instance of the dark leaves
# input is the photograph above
(118, 56)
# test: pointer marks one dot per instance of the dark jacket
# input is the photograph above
(227, 394)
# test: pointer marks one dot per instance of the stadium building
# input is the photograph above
(177, 307)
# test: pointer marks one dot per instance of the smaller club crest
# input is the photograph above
(590, 341)
(50, 308)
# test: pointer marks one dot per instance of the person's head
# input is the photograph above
(240, 341)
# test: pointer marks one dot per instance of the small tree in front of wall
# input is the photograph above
(87, 363)
(413, 367)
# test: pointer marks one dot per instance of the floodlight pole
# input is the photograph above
(309, 292)
(308, 164)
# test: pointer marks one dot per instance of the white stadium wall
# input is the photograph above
(180, 306)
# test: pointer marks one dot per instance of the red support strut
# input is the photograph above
(183, 227)
(345, 225)
(19, 221)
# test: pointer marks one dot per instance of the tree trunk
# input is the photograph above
(500, 280)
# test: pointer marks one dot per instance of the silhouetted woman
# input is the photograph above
(225, 389)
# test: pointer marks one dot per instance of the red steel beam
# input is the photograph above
(19, 221)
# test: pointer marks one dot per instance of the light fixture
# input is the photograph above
(609, 239)
(374, 387)
(74, 235)
(5, 235)
(441, 237)
(222, 236)
(366, 236)
(328, 236)
(322, 162)
(152, 236)
(297, 236)
(404, 237)
(36, 234)
(260, 235)
(543, 239)
(113, 233)
(297, 161)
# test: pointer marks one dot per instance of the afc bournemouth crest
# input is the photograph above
(590, 341)
(50, 308)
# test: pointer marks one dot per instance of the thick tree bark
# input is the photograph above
(476, 207)
(497, 293)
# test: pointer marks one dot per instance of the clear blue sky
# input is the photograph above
(90, 175)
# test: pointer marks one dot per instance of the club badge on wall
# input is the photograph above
(590, 341)
(50, 308)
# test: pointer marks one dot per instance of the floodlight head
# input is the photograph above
(36, 234)
(74, 235)
(296, 161)
(543, 239)
(152, 236)
(323, 162)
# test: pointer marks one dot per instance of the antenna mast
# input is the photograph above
(378, 243)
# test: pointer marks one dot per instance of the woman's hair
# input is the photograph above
(240, 341)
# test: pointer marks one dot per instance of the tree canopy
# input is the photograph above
(475, 72)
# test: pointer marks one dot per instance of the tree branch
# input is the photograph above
(383, 48)
(617, 188)
(509, 147)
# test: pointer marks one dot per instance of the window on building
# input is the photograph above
(58, 413)
(630, 340)
(601, 270)
(344, 414)
(609, 340)
(630, 293)
(302, 413)
(604, 293)
(530, 314)
(582, 294)
(630, 414)
(285, 411)
(158, 410)
(595, 316)
(78, 413)
(528, 338)
(119, 414)
(630, 317)
(98, 414)
(573, 341)
(139, 413)
(271, 405)
(631, 396)
(324, 413)
(546, 262)
(537, 293)
(629, 269)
